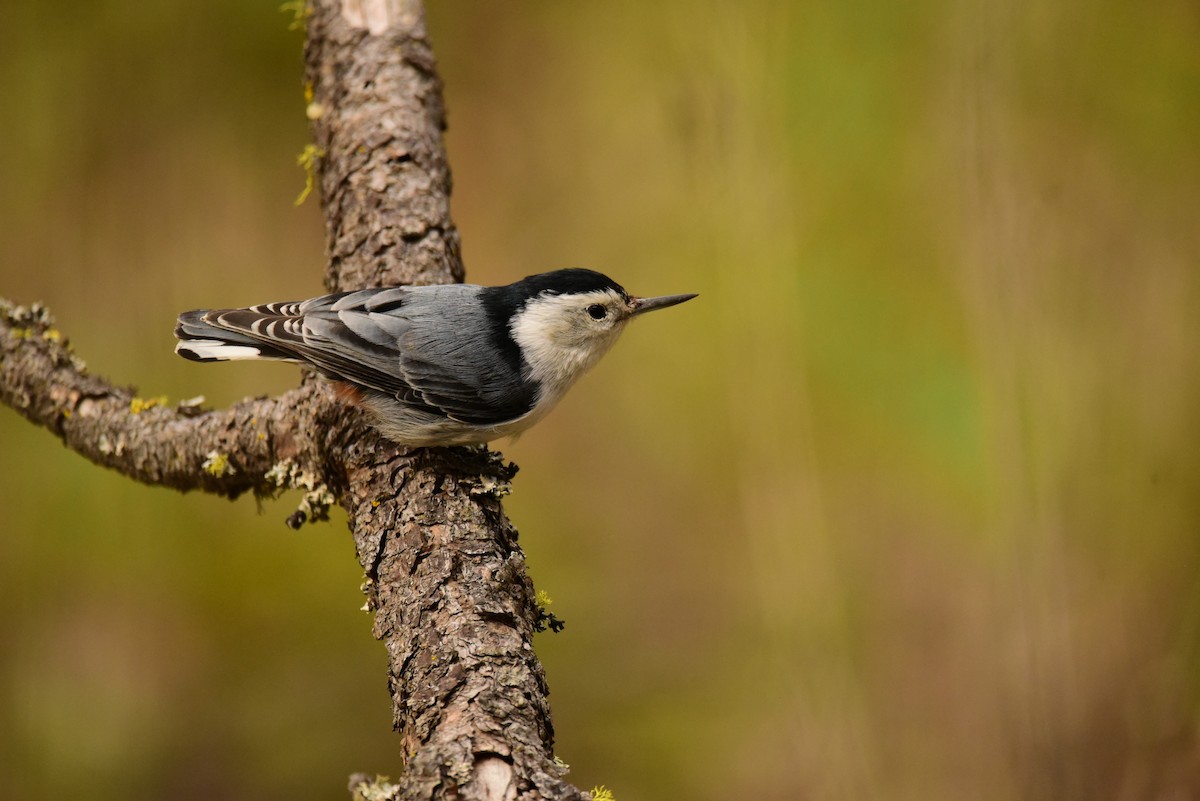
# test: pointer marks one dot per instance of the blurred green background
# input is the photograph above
(905, 506)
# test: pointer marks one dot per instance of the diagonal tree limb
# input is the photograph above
(145, 439)
(446, 578)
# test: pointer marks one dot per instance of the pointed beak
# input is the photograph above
(642, 305)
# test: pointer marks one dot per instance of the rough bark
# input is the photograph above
(446, 578)
(378, 118)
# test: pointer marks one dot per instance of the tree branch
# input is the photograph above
(378, 118)
(143, 438)
(453, 603)
(446, 578)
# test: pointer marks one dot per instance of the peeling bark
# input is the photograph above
(446, 579)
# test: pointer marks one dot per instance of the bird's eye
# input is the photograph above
(597, 312)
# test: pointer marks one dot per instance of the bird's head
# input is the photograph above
(564, 321)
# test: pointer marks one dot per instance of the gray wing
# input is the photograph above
(431, 355)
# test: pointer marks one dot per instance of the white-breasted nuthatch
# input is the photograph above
(450, 364)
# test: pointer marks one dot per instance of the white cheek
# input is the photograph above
(560, 344)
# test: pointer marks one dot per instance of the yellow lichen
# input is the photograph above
(139, 405)
(312, 110)
(308, 160)
(300, 13)
(602, 793)
(543, 598)
(217, 464)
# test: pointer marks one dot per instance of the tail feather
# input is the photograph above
(201, 341)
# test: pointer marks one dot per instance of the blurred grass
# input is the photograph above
(904, 506)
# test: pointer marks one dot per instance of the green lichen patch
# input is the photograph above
(317, 498)
(380, 788)
(491, 485)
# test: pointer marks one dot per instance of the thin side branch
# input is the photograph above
(183, 447)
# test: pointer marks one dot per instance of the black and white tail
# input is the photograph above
(221, 335)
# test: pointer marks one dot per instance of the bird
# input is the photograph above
(437, 365)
